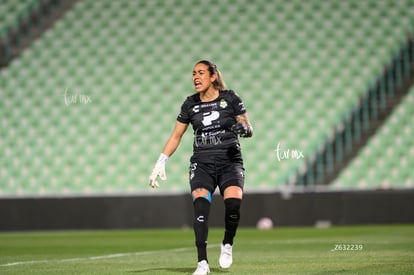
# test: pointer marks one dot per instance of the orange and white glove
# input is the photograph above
(158, 171)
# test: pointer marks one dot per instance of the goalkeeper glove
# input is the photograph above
(242, 129)
(158, 171)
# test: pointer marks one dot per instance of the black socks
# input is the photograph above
(201, 213)
(231, 219)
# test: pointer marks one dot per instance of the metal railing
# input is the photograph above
(330, 156)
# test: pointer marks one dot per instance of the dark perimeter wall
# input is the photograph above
(175, 211)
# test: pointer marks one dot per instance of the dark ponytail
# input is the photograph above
(212, 68)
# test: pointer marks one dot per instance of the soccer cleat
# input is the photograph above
(226, 256)
(202, 268)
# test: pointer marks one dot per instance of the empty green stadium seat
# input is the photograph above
(386, 161)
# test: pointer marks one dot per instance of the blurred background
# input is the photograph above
(90, 91)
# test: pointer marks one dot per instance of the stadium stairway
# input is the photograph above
(386, 161)
(362, 123)
(25, 21)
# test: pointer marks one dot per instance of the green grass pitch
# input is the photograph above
(387, 249)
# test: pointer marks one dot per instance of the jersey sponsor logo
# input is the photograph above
(209, 117)
(213, 105)
(196, 109)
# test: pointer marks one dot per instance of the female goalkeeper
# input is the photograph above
(218, 117)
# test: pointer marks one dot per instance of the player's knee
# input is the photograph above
(232, 206)
(233, 192)
(201, 193)
(201, 210)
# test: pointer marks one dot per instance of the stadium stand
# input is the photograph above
(387, 160)
(23, 21)
(87, 108)
(10, 12)
(361, 122)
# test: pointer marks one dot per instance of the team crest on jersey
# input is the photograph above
(223, 103)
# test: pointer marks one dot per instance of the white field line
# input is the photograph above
(182, 249)
(102, 257)
(141, 253)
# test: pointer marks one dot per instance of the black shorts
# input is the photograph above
(211, 175)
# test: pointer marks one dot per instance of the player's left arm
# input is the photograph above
(244, 127)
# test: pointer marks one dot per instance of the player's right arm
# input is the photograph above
(169, 149)
(175, 138)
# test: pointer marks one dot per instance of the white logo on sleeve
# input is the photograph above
(196, 108)
(209, 117)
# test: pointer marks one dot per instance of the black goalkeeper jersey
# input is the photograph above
(211, 123)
